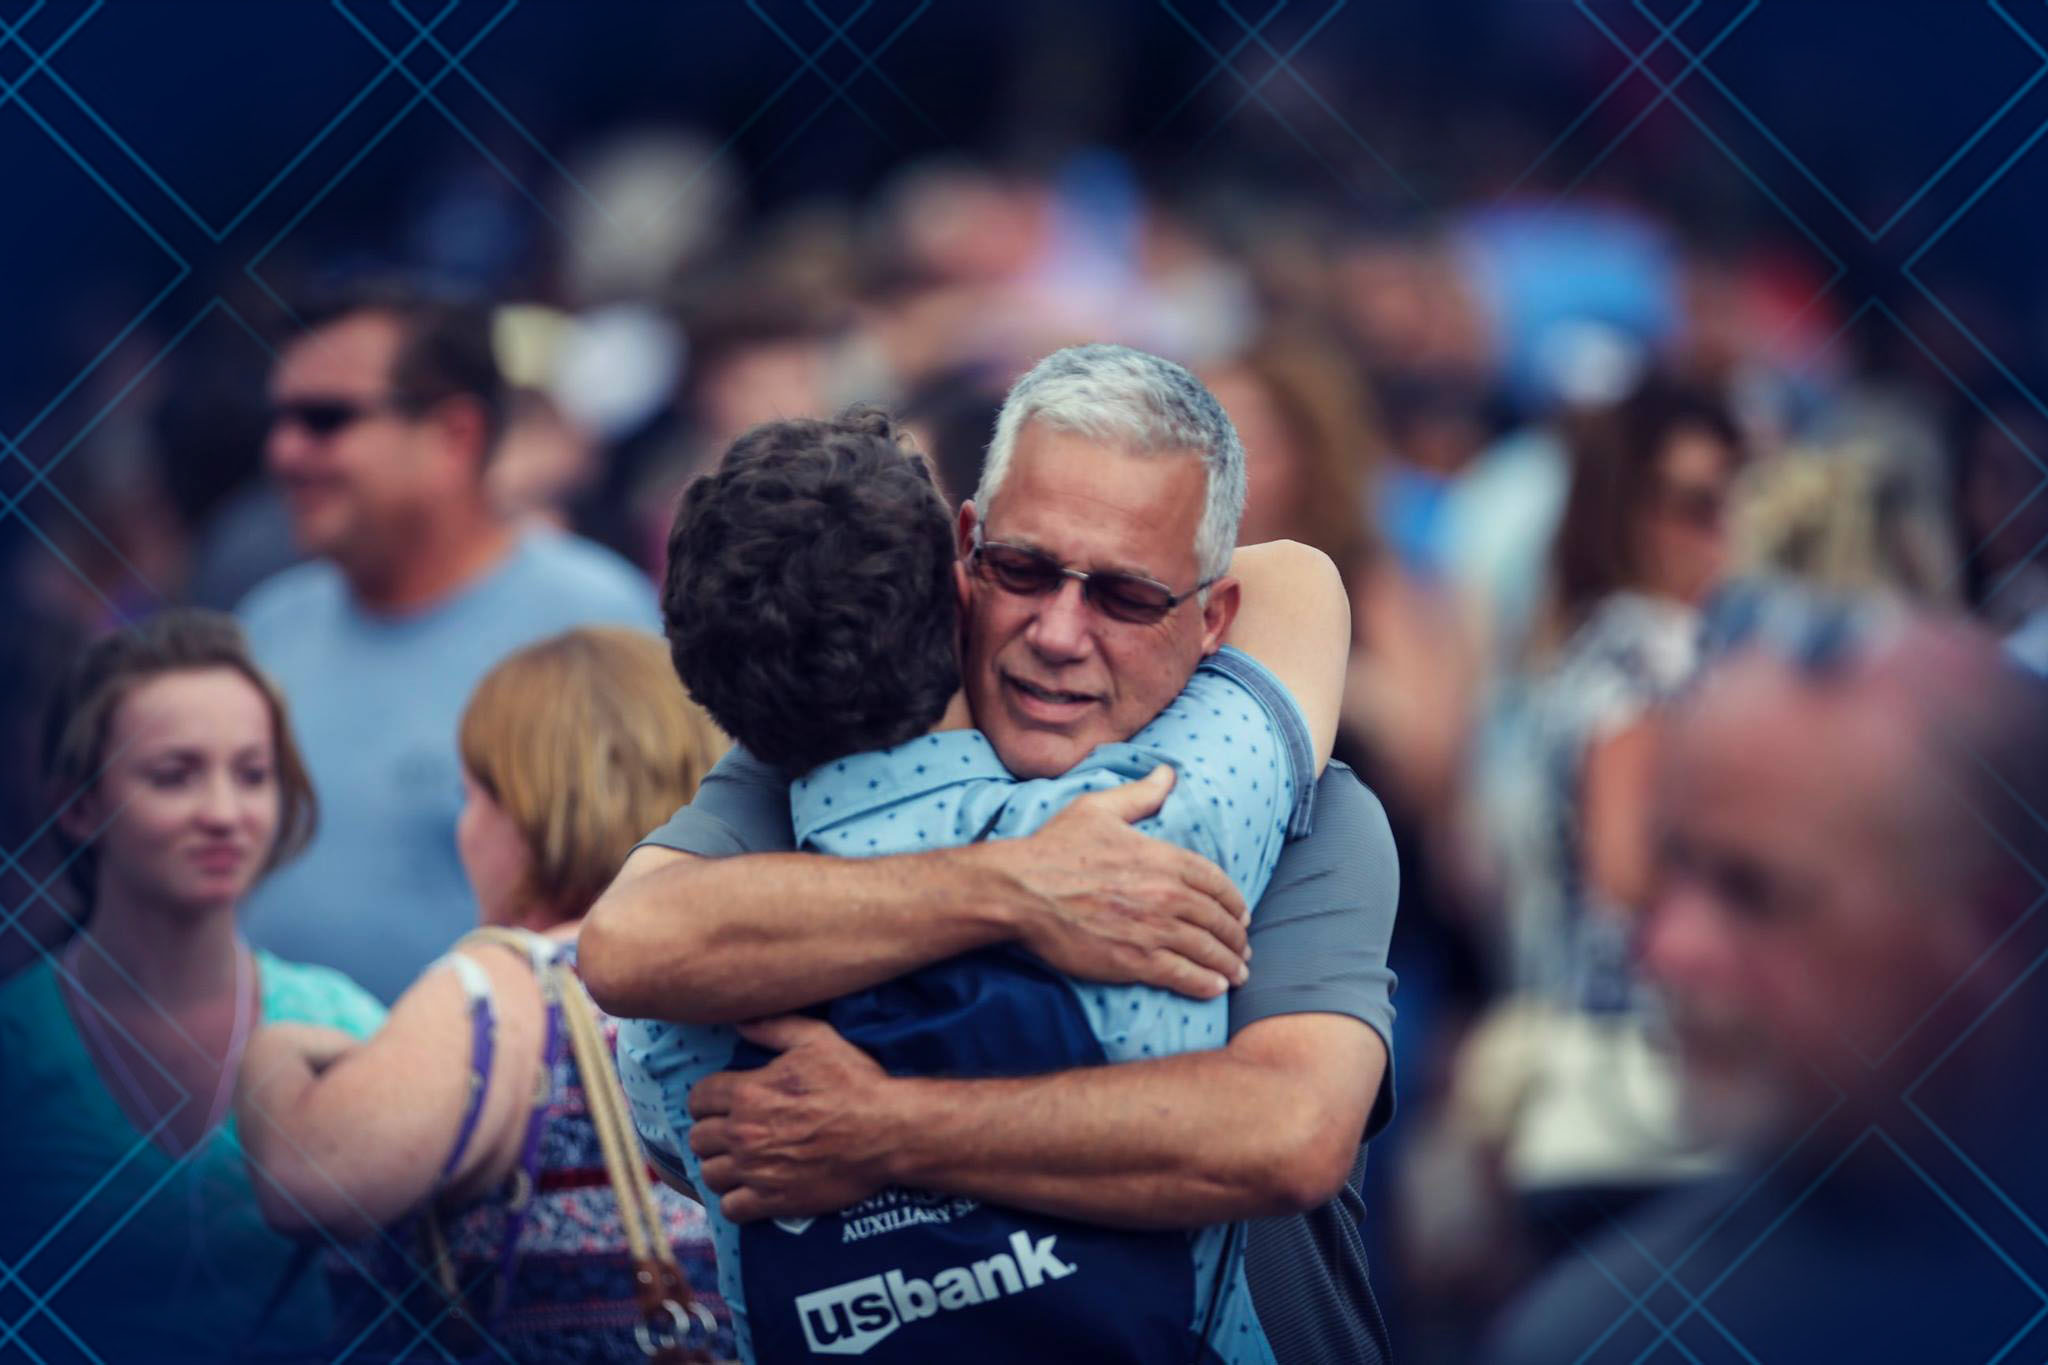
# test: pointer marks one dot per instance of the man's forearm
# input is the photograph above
(718, 940)
(1183, 1141)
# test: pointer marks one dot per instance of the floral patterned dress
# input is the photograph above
(540, 1265)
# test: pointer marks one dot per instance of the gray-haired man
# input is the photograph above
(1104, 459)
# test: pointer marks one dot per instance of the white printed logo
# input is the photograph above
(894, 1209)
(848, 1319)
(794, 1226)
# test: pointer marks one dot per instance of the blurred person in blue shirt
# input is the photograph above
(384, 415)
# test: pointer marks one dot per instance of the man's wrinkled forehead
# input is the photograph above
(1761, 760)
(1097, 504)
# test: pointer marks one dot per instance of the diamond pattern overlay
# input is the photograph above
(308, 115)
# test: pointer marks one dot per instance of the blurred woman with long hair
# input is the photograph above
(1566, 1080)
(176, 785)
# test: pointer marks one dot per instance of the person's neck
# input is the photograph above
(538, 919)
(441, 558)
(169, 958)
(957, 716)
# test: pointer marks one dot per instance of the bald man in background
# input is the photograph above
(1850, 857)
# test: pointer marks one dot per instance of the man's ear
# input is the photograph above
(963, 580)
(963, 529)
(962, 589)
(1217, 614)
(463, 429)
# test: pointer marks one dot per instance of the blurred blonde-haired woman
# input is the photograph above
(463, 1132)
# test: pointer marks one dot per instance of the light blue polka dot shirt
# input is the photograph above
(1245, 784)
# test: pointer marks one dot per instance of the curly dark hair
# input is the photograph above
(809, 600)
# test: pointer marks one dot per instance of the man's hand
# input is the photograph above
(789, 1140)
(721, 940)
(1118, 906)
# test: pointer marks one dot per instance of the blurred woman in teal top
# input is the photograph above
(131, 1227)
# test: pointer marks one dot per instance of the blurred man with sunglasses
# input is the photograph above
(385, 409)
(1850, 862)
(1099, 543)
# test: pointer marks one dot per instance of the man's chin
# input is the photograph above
(1030, 753)
(1727, 1104)
(318, 537)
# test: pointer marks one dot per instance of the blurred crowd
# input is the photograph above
(1543, 440)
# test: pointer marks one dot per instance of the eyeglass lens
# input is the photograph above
(1032, 574)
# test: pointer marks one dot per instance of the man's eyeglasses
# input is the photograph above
(324, 417)
(1128, 597)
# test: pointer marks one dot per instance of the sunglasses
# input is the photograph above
(324, 417)
(1128, 597)
(1699, 506)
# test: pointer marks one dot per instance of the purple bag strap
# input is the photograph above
(541, 953)
(483, 1035)
(529, 1154)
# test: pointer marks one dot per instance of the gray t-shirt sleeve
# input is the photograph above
(1320, 934)
(742, 806)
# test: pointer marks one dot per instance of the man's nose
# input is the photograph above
(284, 447)
(1683, 940)
(1063, 624)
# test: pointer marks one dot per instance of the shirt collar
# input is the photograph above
(860, 784)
